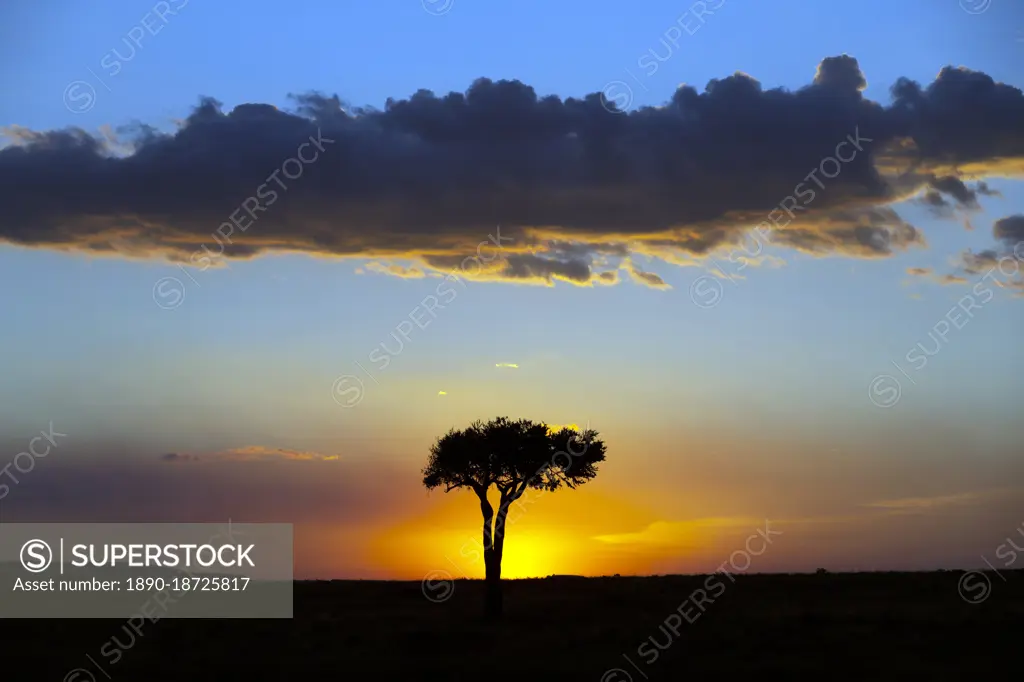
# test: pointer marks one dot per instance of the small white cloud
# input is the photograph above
(507, 365)
(442, 392)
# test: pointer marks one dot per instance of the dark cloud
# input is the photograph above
(841, 73)
(983, 189)
(954, 187)
(1010, 231)
(576, 187)
(963, 197)
(866, 233)
(1001, 265)
(933, 200)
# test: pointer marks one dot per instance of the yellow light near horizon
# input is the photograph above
(526, 554)
(553, 533)
(532, 556)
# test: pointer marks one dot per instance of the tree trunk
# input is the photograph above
(492, 563)
(493, 602)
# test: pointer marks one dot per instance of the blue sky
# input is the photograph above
(367, 52)
(249, 357)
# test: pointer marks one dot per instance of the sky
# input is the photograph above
(617, 229)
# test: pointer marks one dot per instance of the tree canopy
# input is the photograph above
(513, 456)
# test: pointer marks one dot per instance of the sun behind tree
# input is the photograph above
(513, 456)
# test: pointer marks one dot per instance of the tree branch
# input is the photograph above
(522, 487)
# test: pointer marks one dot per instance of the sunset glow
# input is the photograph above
(783, 285)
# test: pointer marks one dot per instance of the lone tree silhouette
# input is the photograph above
(513, 456)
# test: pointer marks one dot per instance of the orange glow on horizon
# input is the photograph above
(554, 533)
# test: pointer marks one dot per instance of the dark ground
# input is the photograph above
(873, 626)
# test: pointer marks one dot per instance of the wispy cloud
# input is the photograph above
(1001, 263)
(933, 276)
(410, 272)
(251, 453)
(442, 392)
(922, 504)
(506, 365)
(674, 533)
(177, 457)
(648, 279)
(259, 452)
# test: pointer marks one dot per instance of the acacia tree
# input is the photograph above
(512, 456)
